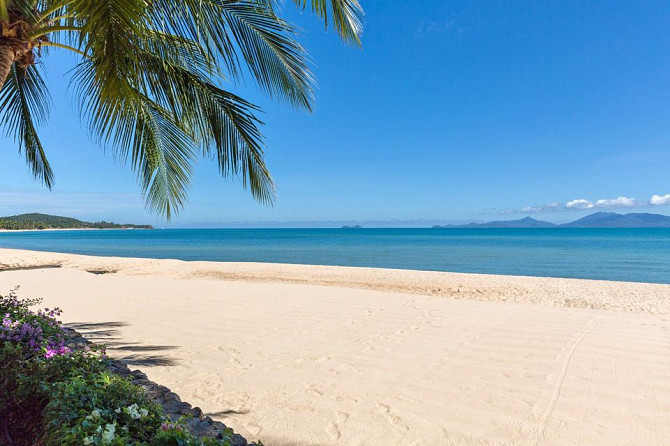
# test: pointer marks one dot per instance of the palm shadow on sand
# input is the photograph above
(130, 353)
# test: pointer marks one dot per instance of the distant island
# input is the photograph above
(44, 221)
(352, 227)
(597, 220)
(523, 223)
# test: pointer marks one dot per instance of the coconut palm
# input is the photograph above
(150, 77)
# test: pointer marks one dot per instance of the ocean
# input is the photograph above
(638, 255)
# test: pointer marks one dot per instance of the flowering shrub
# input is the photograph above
(51, 394)
(39, 331)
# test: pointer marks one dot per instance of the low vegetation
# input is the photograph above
(44, 221)
(52, 393)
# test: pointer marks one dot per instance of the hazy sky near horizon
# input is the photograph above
(452, 111)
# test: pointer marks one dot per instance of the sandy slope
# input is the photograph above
(297, 364)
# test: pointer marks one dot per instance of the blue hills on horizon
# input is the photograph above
(597, 220)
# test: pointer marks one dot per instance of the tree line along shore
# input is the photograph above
(44, 221)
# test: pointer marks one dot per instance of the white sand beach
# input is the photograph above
(306, 355)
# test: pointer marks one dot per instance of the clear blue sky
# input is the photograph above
(452, 111)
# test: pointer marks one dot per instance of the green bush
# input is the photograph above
(53, 395)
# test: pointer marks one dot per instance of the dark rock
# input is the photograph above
(138, 374)
(239, 440)
(171, 396)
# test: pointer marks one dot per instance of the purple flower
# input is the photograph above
(26, 327)
(167, 426)
(56, 350)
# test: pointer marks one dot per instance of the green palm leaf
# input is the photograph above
(249, 27)
(346, 14)
(159, 147)
(225, 124)
(150, 82)
(24, 101)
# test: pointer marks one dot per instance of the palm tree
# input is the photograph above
(149, 81)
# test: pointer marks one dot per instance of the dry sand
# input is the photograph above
(305, 355)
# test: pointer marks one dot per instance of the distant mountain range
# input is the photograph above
(597, 220)
(44, 221)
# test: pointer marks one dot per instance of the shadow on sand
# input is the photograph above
(223, 413)
(130, 353)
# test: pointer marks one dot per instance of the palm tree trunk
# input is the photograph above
(6, 60)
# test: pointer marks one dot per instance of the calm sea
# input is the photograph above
(641, 255)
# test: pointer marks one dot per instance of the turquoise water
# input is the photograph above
(641, 255)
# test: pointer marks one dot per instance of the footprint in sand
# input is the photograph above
(342, 417)
(313, 390)
(344, 368)
(333, 431)
(393, 419)
(254, 429)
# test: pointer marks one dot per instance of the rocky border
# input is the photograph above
(173, 407)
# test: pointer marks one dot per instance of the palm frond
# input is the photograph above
(238, 142)
(265, 42)
(162, 155)
(150, 81)
(25, 9)
(225, 125)
(4, 10)
(347, 15)
(25, 101)
(277, 61)
(160, 147)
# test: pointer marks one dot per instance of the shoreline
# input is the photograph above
(607, 257)
(563, 292)
(73, 229)
(296, 355)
